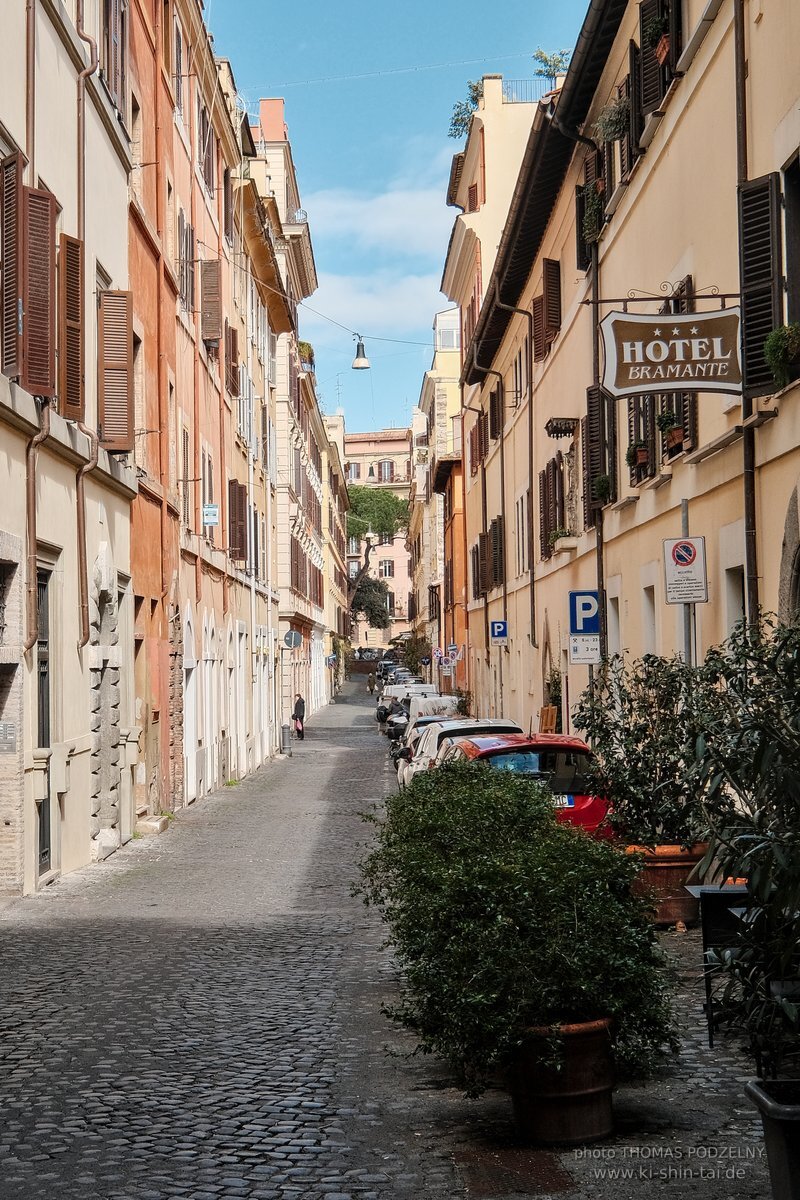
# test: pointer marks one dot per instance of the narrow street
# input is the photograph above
(200, 1017)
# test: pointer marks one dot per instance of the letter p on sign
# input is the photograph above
(584, 613)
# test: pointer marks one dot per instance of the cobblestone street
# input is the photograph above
(200, 1017)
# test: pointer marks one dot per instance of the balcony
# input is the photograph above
(525, 91)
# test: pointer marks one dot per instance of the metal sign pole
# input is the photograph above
(688, 609)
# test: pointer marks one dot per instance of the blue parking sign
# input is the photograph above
(498, 633)
(584, 613)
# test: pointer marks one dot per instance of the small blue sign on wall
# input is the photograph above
(498, 633)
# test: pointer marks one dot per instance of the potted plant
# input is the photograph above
(603, 488)
(612, 122)
(642, 719)
(563, 539)
(670, 428)
(782, 353)
(521, 945)
(593, 211)
(637, 454)
(750, 757)
(655, 36)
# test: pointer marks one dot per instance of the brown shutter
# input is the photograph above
(227, 204)
(610, 431)
(608, 168)
(474, 455)
(115, 371)
(472, 198)
(588, 508)
(688, 400)
(539, 340)
(71, 391)
(633, 428)
(625, 155)
(484, 562)
(211, 300)
(38, 374)
(761, 276)
(233, 509)
(652, 76)
(595, 441)
(11, 257)
(552, 297)
(583, 256)
(635, 116)
(495, 413)
(232, 362)
(675, 33)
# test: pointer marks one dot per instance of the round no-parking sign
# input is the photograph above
(685, 570)
(684, 553)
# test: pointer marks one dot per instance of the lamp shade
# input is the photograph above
(360, 362)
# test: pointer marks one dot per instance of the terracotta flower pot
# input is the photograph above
(665, 871)
(568, 1106)
(642, 456)
(662, 49)
(673, 437)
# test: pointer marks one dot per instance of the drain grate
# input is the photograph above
(511, 1171)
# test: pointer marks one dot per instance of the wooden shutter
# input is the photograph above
(595, 441)
(115, 371)
(539, 338)
(495, 413)
(760, 275)
(675, 16)
(484, 562)
(635, 115)
(474, 456)
(71, 391)
(232, 361)
(11, 256)
(552, 297)
(684, 303)
(497, 545)
(545, 549)
(652, 75)
(610, 451)
(114, 65)
(608, 168)
(233, 516)
(588, 507)
(211, 300)
(625, 154)
(38, 375)
(633, 430)
(583, 255)
(472, 198)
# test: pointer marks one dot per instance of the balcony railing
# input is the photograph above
(525, 91)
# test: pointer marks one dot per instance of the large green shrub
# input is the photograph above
(642, 719)
(502, 918)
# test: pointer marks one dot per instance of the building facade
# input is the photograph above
(382, 460)
(567, 489)
(68, 737)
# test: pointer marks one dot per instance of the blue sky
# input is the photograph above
(373, 157)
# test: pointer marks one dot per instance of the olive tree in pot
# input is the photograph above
(521, 946)
(750, 758)
(641, 718)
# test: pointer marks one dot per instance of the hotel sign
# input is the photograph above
(672, 352)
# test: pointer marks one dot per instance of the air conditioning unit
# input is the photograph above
(294, 510)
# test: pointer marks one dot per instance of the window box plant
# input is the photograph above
(637, 454)
(602, 488)
(671, 429)
(593, 210)
(782, 353)
(654, 30)
(510, 926)
(563, 540)
(613, 120)
(641, 718)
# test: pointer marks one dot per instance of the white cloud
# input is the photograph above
(402, 220)
(383, 303)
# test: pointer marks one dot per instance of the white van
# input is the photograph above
(432, 706)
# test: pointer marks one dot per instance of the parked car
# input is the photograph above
(402, 692)
(556, 759)
(428, 746)
(410, 738)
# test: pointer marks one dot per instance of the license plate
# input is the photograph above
(564, 801)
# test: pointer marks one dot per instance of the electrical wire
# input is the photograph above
(463, 62)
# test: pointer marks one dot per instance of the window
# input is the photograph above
(186, 479)
(43, 709)
(599, 452)
(551, 504)
(385, 539)
(448, 339)
(386, 568)
(353, 545)
(761, 270)
(390, 603)
(353, 472)
(352, 569)
(472, 198)
(186, 254)
(386, 471)
(497, 551)
(521, 526)
(206, 146)
(227, 204)
(115, 373)
(113, 50)
(180, 91)
(649, 620)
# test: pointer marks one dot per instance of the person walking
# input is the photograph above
(371, 682)
(299, 717)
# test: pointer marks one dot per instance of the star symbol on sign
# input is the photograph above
(675, 332)
(656, 333)
(694, 329)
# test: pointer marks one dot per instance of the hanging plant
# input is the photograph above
(654, 30)
(782, 353)
(593, 210)
(612, 123)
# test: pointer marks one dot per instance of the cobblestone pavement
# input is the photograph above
(199, 1017)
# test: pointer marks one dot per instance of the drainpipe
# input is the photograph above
(525, 312)
(94, 445)
(748, 433)
(499, 377)
(599, 548)
(32, 451)
(163, 405)
(31, 456)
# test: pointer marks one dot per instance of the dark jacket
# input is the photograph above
(299, 710)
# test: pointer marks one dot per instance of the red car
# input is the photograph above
(556, 759)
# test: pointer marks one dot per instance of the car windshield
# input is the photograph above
(563, 771)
